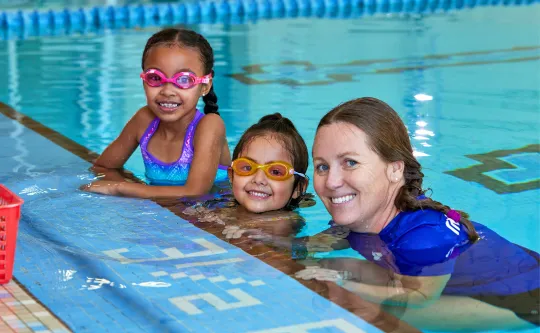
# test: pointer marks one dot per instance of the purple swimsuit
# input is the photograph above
(175, 173)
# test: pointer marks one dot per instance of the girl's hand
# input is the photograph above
(235, 232)
(211, 217)
(107, 187)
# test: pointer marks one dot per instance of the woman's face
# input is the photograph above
(356, 186)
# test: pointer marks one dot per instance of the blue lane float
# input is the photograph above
(44, 22)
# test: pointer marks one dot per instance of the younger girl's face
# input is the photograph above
(169, 102)
(257, 193)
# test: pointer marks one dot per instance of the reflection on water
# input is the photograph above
(61, 4)
(97, 283)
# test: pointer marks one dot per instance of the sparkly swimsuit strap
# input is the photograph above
(148, 134)
(188, 149)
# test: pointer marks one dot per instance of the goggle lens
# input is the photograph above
(153, 80)
(275, 171)
(185, 81)
(243, 168)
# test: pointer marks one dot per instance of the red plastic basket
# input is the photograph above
(10, 212)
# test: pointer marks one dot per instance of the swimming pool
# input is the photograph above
(466, 84)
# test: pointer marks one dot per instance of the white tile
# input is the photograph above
(237, 281)
(41, 314)
(178, 275)
(257, 283)
(218, 278)
(197, 277)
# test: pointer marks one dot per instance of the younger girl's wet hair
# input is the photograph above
(282, 129)
(388, 137)
(191, 39)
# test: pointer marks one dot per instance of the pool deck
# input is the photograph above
(20, 312)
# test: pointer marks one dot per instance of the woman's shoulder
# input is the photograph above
(425, 228)
(420, 218)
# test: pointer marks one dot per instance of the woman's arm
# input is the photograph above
(401, 290)
(377, 284)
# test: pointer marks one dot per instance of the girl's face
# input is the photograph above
(257, 193)
(169, 102)
(356, 186)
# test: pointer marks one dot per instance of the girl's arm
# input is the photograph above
(119, 151)
(108, 166)
(114, 174)
(208, 141)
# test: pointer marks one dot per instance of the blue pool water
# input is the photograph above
(87, 87)
(465, 83)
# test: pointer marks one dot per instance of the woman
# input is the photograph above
(428, 263)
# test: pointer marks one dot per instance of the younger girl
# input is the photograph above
(269, 166)
(267, 176)
(183, 150)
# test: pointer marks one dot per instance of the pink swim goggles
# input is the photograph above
(183, 80)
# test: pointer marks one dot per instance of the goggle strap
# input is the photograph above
(298, 173)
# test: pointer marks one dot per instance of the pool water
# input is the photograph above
(465, 83)
(482, 96)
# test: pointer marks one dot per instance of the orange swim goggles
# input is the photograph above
(276, 170)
